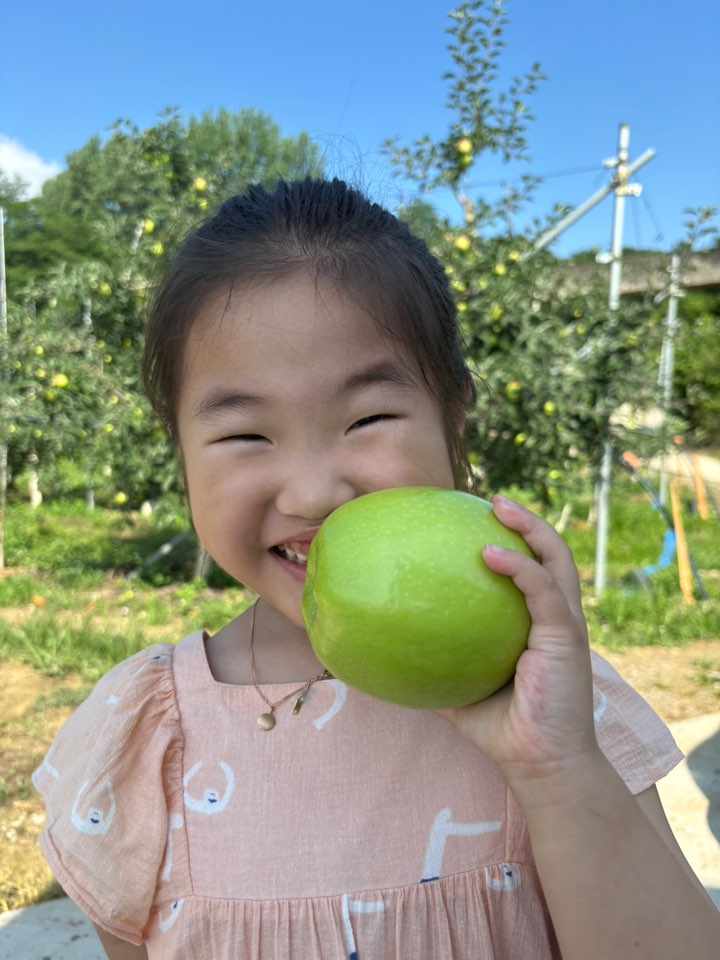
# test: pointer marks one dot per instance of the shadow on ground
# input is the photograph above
(704, 764)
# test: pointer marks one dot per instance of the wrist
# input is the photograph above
(575, 783)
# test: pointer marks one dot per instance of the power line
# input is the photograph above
(538, 176)
(659, 233)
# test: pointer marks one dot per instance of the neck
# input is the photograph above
(282, 650)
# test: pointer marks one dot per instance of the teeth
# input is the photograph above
(292, 555)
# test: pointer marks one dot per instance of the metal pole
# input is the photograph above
(621, 176)
(667, 360)
(3, 389)
(549, 235)
(89, 341)
(602, 504)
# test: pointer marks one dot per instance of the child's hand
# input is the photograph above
(541, 724)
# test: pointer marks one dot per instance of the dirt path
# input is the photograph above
(678, 682)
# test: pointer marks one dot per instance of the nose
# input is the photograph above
(311, 487)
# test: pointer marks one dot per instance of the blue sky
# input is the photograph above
(351, 74)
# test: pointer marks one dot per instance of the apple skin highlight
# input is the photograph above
(399, 603)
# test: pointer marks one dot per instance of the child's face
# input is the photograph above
(291, 405)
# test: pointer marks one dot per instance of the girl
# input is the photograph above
(225, 798)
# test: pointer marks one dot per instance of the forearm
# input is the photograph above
(117, 949)
(614, 888)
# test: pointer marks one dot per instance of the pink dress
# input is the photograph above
(355, 829)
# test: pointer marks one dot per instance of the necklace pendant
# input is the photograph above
(266, 721)
(298, 703)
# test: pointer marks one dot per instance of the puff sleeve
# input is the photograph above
(108, 781)
(631, 735)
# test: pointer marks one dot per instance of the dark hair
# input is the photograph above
(332, 229)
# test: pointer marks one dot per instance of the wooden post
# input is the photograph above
(700, 491)
(683, 555)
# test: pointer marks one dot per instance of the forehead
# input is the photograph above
(299, 322)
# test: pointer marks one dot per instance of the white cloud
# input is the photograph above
(17, 159)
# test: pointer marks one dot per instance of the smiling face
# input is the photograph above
(292, 404)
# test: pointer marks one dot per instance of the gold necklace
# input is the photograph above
(266, 721)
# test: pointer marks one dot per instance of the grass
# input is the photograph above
(60, 632)
(707, 673)
(628, 614)
(632, 614)
(79, 595)
(79, 604)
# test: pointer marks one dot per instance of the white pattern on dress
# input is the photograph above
(45, 765)
(212, 802)
(510, 878)
(443, 828)
(166, 922)
(356, 906)
(340, 690)
(97, 821)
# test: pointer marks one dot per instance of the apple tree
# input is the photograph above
(82, 259)
(552, 362)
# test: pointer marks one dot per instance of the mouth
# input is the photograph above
(294, 553)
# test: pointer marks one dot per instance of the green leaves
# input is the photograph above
(80, 262)
(492, 120)
(552, 361)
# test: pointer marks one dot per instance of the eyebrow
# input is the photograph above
(220, 400)
(383, 374)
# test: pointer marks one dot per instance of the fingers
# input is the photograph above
(551, 584)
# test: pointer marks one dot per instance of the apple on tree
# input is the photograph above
(399, 603)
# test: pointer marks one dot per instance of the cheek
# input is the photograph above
(424, 457)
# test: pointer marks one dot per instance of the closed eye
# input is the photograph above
(243, 437)
(375, 418)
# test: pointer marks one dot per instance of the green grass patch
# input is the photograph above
(61, 697)
(78, 606)
(628, 613)
(57, 649)
(626, 616)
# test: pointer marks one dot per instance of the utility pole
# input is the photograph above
(620, 185)
(633, 189)
(3, 389)
(667, 359)
(622, 189)
(89, 343)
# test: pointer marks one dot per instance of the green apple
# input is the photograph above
(513, 390)
(399, 603)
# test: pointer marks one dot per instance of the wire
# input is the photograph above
(659, 234)
(538, 176)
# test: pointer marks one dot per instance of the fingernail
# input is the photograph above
(506, 501)
(494, 549)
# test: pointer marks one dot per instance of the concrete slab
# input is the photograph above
(691, 796)
(54, 930)
(57, 930)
